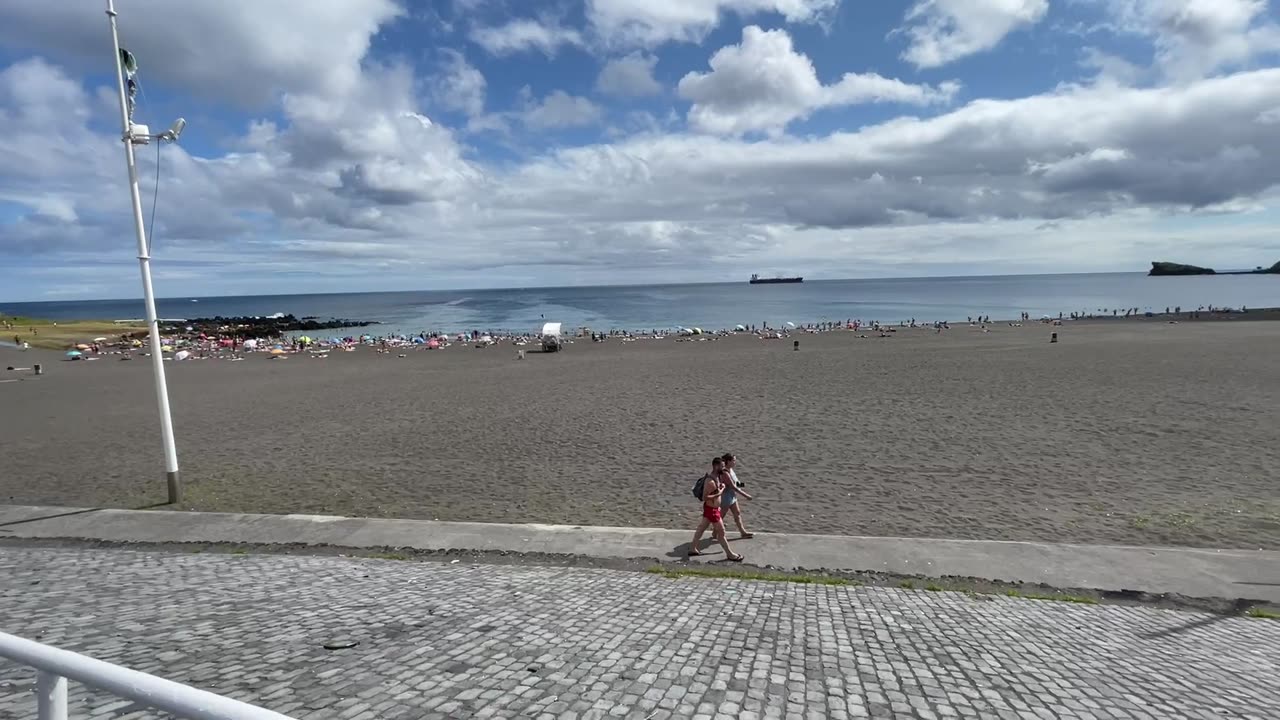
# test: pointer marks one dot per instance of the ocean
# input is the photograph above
(710, 306)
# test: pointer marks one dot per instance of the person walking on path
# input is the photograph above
(712, 491)
(717, 464)
(732, 489)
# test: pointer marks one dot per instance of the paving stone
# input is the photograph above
(442, 640)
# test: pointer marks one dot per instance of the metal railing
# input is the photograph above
(54, 666)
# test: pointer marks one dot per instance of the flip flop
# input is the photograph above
(747, 536)
(736, 558)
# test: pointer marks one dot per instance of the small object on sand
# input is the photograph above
(342, 644)
(38, 369)
(795, 345)
(519, 354)
(1053, 337)
(402, 355)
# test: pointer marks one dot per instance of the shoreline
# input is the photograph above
(246, 327)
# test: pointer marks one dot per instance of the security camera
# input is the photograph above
(174, 131)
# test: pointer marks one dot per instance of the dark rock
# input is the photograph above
(1168, 268)
(249, 326)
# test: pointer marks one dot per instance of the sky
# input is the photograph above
(371, 145)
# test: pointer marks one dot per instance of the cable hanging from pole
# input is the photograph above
(155, 196)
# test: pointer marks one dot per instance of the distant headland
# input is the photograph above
(1168, 268)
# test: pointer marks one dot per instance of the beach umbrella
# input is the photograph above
(101, 339)
(740, 328)
(250, 344)
(73, 353)
(791, 325)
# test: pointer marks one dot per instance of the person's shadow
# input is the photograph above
(710, 549)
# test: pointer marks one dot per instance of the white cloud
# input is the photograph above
(560, 110)
(1194, 38)
(246, 51)
(624, 24)
(523, 35)
(461, 86)
(942, 31)
(648, 23)
(762, 84)
(1112, 68)
(629, 76)
(340, 182)
(35, 95)
(356, 178)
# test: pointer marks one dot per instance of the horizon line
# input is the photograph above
(564, 287)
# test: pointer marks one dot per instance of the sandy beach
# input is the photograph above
(1128, 432)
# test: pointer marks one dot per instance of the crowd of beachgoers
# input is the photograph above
(202, 345)
(233, 343)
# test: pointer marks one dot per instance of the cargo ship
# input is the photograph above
(757, 280)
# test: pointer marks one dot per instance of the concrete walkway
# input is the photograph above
(1232, 574)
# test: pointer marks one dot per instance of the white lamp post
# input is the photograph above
(140, 134)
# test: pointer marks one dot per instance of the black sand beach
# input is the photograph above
(1142, 432)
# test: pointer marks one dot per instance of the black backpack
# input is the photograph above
(698, 485)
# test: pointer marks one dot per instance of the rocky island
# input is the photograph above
(1168, 268)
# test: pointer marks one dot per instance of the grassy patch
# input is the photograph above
(1055, 597)
(63, 335)
(1263, 614)
(389, 556)
(1174, 520)
(748, 575)
(933, 588)
(906, 585)
(239, 551)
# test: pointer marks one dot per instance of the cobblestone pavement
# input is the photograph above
(458, 640)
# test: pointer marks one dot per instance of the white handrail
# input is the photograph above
(54, 666)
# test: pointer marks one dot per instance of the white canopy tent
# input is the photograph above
(552, 336)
